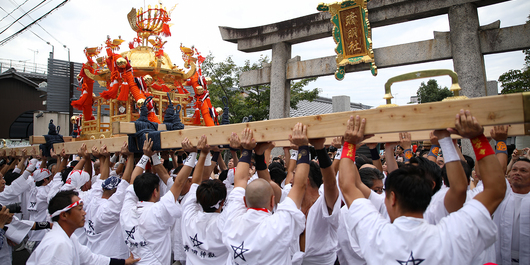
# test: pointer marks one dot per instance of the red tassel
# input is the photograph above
(197, 117)
(165, 30)
(131, 45)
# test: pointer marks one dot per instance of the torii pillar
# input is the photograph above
(468, 61)
(280, 93)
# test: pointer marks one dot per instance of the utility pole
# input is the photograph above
(34, 64)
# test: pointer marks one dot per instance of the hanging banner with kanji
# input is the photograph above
(351, 33)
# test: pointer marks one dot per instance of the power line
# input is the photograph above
(38, 24)
(4, 41)
(23, 25)
(22, 17)
(13, 10)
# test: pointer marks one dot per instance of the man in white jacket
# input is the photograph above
(60, 246)
(513, 218)
(407, 238)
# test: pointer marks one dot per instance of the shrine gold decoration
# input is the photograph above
(351, 33)
(455, 87)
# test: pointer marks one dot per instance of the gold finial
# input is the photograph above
(140, 102)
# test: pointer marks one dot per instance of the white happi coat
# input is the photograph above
(504, 218)
(146, 227)
(349, 250)
(455, 240)
(258, 237)
(102, 224)
(58, 249)
(320, 234)
(201, 232)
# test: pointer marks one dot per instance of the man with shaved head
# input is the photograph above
(252, 233)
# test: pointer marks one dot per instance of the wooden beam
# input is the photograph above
(514, 130)
(128, 127)
(39, 139)
(120, 127)
(493, 110)
(18, 150)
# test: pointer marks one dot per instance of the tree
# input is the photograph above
(515, 81)
(432, 92)
(247, 101)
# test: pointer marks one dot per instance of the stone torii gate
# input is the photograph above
(466, 43)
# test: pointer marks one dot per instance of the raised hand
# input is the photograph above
(299, 135)
(500, 132)
(64, 155)
(103, 151)
(125, 149)
(440, 134)
(203, 145)
(95, 151)
(466, 125)
(187, 146)
(261, 147)
(25, 153)
(247, 139)
(52, 153)
(82, 151)
(405, 140)
(433, 139)
(148, 147)
(355, 130)
(318, 143)
(235, 142)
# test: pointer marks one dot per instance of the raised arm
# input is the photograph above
(299, 138)
(82, 154)
(64, 161)
(129, 165)
(248, 143)
(435, 148)
(291, 164)
(198, 175)
(22, 161)
(337, 143)
(456, 195)
(140, 166)
(348, 174)
(391, 163)
(376, 159)
(490, 169)
(104, 160)
(405, 141)
(331, 191)
(500, 134)
(160, 170)
(261, 168)
(221, 163)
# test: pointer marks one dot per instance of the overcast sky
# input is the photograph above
(82, 23)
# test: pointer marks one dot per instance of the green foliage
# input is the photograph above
(247, 101)
(432, 92)
(515, 81)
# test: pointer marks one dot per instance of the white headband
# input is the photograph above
(67, 208)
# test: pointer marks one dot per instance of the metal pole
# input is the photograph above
(71, 93)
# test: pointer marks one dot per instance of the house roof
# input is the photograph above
(320, 105)
(24, 77)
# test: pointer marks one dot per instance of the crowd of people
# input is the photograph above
(315, 204)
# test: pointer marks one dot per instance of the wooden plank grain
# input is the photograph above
(494, 110)
(514, 130)
(384, 122)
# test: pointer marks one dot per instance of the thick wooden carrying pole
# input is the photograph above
(36, 139)
(495, 110)
(514, 130)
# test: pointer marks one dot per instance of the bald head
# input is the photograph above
(258, 194)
